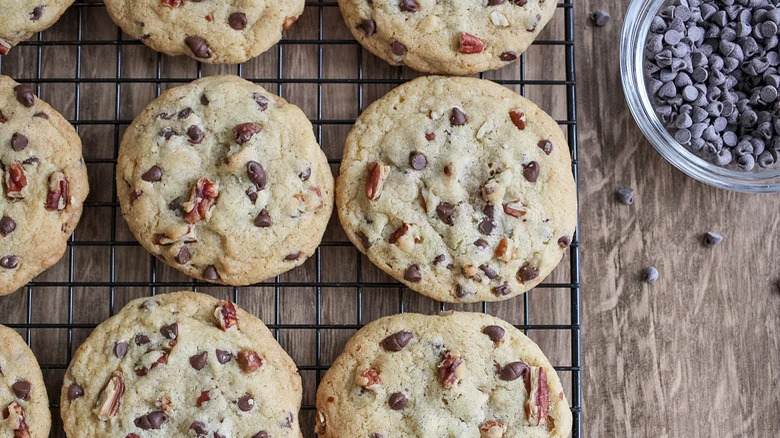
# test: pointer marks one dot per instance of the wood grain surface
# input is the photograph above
(695, 355)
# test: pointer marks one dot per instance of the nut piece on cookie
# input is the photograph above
(249, 361)
(537, 405)
(450, 370)
(204, 195)
(14, 420)
(377, 174)
(111, 397)
(226, 315)
(368, 379)
(492, 429)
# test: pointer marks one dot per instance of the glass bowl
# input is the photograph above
(632, 43)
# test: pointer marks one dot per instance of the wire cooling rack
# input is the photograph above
(99, 79)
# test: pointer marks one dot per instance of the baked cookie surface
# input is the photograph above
(22, 18)
(43, 184)
(181, 365)
(460, 374)
(24, 404)
(459, 188)
(224, 32)
(225, 181)
(458, 37)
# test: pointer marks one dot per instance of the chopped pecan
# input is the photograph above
(4, 47)
(450, 370)
(14, 420)
(171, 3)
(368, 379)
(288, 22)
(493, 192)
(505, 251)
(514, 208)
(538, 396)
(518, 118)
(226, 315)
(320, 424)
(470, 44)
(492, 429)
(150, 360)
(470, 271)
(176, 233)
(164, 403)
(57, 197)
(202, 398)
(249, 361)
(377, 174)
(110, 398)
(243, 133)
(15, 181)
(2, 117)
(405, 237)
(204, 195)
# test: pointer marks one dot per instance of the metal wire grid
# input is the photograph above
(570, 124)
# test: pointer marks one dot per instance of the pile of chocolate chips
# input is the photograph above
(712, 67)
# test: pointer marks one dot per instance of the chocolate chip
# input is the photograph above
(18, 142)
(398, 48)
(445, 211)
(288, 421)
(368, 27)
(438, 259)
(512, 371)
(25, 95)
(600, 18)
(495, 2)
(292, 256)
(397, 401)
(263, 220)
(625, 195)
(261, 101)
(531, 171)
(31, 160)
(502, 289)
(709, 239)
(408, 5)
(22, 389)
(508, 56)
(305, 175)
(210, 273)
(223, 356)
(457, 117)
(481, 243)
(485, 226)
(364, 240)
(198, 46)
(417, 160)
(198, 361)
(252, 195)
(256, 174)
(237, 20)
(7, 226)
(41, 115)
(170, 331)
(246, 403)
(377, 435)
(261, 434)
(141, 339)
(176, 205)
(546, 146)
(186, 112)
(494, 332)
(489, 272)
(120, 349)
(397, 341)
(204, 100)
(183, 257)
(195, 134)
(462, 292)
(74, 392)
(199, 428)
(413, 274)
(152, 420)
(9, 262)
(527, 272)
(650, 275)
(564, 241)
(167, 133)
(37, 13)
(243, 133)
(154, 174)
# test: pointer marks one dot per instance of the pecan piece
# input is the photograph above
(150, 360)
(538, 396)
(518, 118)
(202, 398)
(505, 251)
(249, 361)
(171, 3)
(176, 233)
(108, 403)
(368, 379)
(243, 133)
(514, 208)
(492, 429)
(450, 370)
(377, 174)
(14, 419)
(469, 44)
(15, 181)
(57, 197)
(226, 315)
(288, 22)
(204, 195)
(4, 47)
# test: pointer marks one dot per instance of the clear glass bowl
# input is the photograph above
(632, 42)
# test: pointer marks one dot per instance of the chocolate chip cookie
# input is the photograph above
(20, 19)
(464, 375)
(24, 405)
(181, 365)
(225, 181)
(214, 32)
(44, 184)
(458, 187)
(459, 37)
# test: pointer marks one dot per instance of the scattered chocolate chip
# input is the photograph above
(398, 48)
(527, 272)
(198, 361)
(458, 117)
(512, 371)
(496, 2)
(263, 219)
(292, 256)
(397, 401)
(41, 115)
(204, 100)
(120, 349)
(494, 332)
(74, 392)
(417, 160)
(397, 341)
(252, 195)
(288, 421)
(167, 133)
(261, 434)
(18, 142)
(165, 116)
(368, 27)
(210, 273)
(256, 174)
(152, 420)
(445, 211)
(31, 160)
(176, 206)
(198, 46)
(261, 101)
(199, 428)
(408, 5)
(709, 239)
(183, 257)
(186, 112)
(489, 272)
(22, 389)
(438, 259)
(481, 243)
(154, 174)
(625, 195)
(25, 95)
(486, 226)
(246, 403)
(502, 289)
(170, 331)
(141, 339)
(9, 262)
(243, 133)
(37, 13)
(195, 134)
(237, 20)
(364, 240)
(546, 146)
(564, 241)
(223, 356)
(508, 56)
(462, 292)
(413, 274)
(531, 171)
(650, 275)
(7, 226)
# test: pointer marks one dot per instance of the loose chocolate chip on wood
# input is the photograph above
(408, 5)
(199, 428)
(183, 257)
(246, 403)
(7, 226)
(599, 18)
(531, 171)
(650, 275)
(494, 332)
(237, 20)
(22, 389)
(397, 401)
(256, 174)
(397, 341)
(527, 272)
(711, 239)
(154, 174)
(625, 195)
(210, 273)
(18, 142)
(368, 27)
(417, 160)
(25, 95)
(120, 349)
(457, 117)
(198, 46)
(546, 146)
(398, 48)
(170, 331)
(74, 392)
(508, 56)
(512, 371)
(263, 220)
(9, 262)
(446, 211)
(195, 134)
(198, 361)
(223, 356)
(413, 274)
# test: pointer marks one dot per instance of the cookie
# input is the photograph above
(181, 365)
(24, 405)
(213, 32)
(21, 19)
(44, 184)
(225, 181)
(459, 374)
(459, 188)
(459, 37)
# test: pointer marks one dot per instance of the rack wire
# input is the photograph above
(66, 292)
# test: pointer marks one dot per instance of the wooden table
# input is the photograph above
(695, 355)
